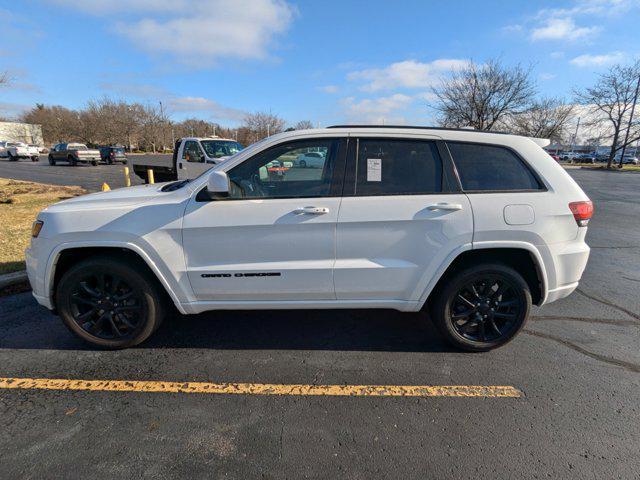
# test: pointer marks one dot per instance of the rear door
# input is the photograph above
(401, 216)
(274, 237)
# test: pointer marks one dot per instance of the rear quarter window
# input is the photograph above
(491, 168)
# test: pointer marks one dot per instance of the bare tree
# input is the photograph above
(610, 102)
(545, 118)
(303, 125)
(480, 96)
(58, 123)
(262, 124)
(4, 78)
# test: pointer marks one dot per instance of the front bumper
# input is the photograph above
(36, 270)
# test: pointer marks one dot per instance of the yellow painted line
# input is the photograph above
(261, 388)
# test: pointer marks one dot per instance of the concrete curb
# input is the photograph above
(13, 278)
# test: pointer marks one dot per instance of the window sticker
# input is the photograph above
(374, 169)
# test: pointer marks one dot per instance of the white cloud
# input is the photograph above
(378, 110)
(556, 55)
(330, 89)
(13, 110)
(546, 76)
(196, 32)
(562, 29)
(406, 74)
(588, 60)
(137, 90)
(201, 104)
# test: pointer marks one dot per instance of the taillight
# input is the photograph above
(582, 212)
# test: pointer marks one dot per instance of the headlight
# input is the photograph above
(36, 227)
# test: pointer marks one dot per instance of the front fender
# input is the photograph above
(174, 286)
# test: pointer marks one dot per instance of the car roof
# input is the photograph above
(450, 134)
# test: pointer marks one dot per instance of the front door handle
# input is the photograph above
(450, 207)
(312, 210)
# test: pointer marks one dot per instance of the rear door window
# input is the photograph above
(491, 168)
(398, 167)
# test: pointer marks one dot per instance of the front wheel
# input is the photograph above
(12, 158)
(110, 303)
(482, 307)
(52, 161)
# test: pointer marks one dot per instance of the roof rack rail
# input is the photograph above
(419, 127)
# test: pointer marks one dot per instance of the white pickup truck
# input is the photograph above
(14, 151)
(191, 157)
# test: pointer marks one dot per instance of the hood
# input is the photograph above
(120, 197)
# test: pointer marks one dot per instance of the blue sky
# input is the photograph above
(325, 61)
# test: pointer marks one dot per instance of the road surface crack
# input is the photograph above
(605, 302)
(606, 321)
(632, 367)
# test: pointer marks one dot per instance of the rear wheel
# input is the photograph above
(94, 163)
(303, 164)
(11, 157)
(72, 161)
(109, 303)
(482, 307)
(35, 158)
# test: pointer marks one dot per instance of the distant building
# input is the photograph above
(21, 132)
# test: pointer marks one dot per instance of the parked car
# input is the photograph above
(191, 157)
(566, 156)
(628, 160)
(310, 159)
(408, 220)
(585, 158)
(112, 154)
(554, 156)
(15, 151)
(73, 153)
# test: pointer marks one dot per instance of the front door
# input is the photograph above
(401, 216)
(274, 237)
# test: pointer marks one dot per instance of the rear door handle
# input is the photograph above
(450, 207)
(312, 210)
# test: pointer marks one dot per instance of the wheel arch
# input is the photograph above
(67, 254)
(521, 256)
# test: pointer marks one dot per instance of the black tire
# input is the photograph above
(94, 163)
(482, 307)
(109, 161)
(11, 157)
(110, 303)
(72, 161)
(303, 164)
(35, 159)
(52, 161)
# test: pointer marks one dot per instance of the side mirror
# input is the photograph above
(218, 184)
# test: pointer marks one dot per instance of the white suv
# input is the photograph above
(472, 228)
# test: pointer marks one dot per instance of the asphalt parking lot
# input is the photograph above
(577, 366)
(86, 176)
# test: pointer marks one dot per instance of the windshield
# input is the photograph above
(220, 148)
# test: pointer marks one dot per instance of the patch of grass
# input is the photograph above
(20, 202)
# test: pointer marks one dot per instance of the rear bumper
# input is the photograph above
(564, 271)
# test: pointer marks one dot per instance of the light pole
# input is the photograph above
(626, 135)
(163, 122)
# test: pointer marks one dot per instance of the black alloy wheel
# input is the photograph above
(106, 306)
(110, 302)
(482, 307)
(486, 309)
